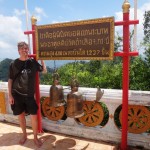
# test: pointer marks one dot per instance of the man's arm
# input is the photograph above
(44, 67)
(11, 99)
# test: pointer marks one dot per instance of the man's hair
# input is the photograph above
(21, 44)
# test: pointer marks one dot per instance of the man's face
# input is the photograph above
(23, 50)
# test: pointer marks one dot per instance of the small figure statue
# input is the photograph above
(55, 75)
(74, 84)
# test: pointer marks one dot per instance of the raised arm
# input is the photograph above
(44, 67)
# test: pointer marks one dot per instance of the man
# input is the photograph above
(20, 103)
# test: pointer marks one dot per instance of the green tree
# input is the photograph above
(117, 47)
(138, 74)
(147, 37)
(94, 66)
(4, 67)
(147, 44)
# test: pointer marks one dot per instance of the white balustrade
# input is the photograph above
(112, 98)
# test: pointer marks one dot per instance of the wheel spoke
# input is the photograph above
(144, 119)
(129, 117)
(47, 106)
(85, 118)
(129, 123)
(57, 113)
(48, 111)
(134, 126)
(90, 119)
(130, 112)
(53, 114)
(96, 114)
(140, 124)
(94, 118)
(85, 107)
(135, 111)
(89, 106)
(94, 108)
(141, 114)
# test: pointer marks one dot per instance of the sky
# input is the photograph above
(13, 21)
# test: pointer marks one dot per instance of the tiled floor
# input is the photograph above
(10, 134)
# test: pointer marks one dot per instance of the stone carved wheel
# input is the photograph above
(52, 113)
(93, 114)
(138, 119)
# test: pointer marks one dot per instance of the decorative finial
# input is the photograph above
(33, 20)
(126, 6)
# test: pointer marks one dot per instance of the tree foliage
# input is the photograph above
(138, 74)
(105, 74)
(4, 67)
(147, 45)
(147, 37)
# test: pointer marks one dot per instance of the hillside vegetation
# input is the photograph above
(105, 74)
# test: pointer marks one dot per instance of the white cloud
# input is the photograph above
(39, 13)
(39, 10)
(11, 33)
(145, 7)
(19, 12)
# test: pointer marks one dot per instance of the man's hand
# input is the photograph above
(11, 100)
(44, 67)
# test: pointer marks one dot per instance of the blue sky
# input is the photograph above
(13, 17)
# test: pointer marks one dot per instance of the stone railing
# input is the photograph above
(108, 112)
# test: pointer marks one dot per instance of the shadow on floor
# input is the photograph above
(49, 142)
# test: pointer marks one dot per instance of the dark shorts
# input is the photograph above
(24, 104)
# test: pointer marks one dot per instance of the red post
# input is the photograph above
(125, 82)
(125, 78)
(37, 78)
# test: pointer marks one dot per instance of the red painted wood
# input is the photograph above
(37, 94)
(127, 22)
(29, 32)
(135, 53)
(125, 78)
(125, 83)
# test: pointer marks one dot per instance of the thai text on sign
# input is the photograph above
(81, 40)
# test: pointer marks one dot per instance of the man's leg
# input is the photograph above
(22, 122)
(34, 122)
